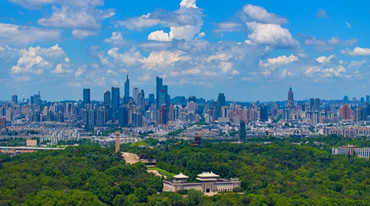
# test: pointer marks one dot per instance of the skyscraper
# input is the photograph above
(264, 113)
(151, 99)
(115, 102)
(242, 131)
(290, 102)
(367, 98)
(162, 93)
(107, 98)
(15, 99)
(221, 101)
(136, 94)
(163, 115)
(86, 96)
(316, 104)
(127, 91)
(345, 112)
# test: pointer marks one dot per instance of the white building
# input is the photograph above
(208, 182)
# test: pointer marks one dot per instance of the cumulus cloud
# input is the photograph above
(327, 45)
(36, 59)
(60, 69)
(286, 73)
(271, 35)
(157, 60)
(70, 18)
(279, 61)
(188, 4)
(357, 51)
(324, 59)
(331, 72)
(140, 22)
(23, 35)
(259, 14)
(129, 58)
(85, 21)
(184, 23)
(219, 57)
(116, 39)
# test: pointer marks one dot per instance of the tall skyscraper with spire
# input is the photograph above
(126, 98)
(290, 102)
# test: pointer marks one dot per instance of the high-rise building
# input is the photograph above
(360, 114)
(290, 102)
(162, 93)
(316, 105)
(15, 99)
(151, 99)
(123, 116)
(367, 98)
(135, 94)
(107, 98)
(311, 103)
(127, 91)
(221, 101)
(100, 116)
(242, 132)
(2, 123)
(141, 99)
(115, 102)
(163, 115)
(264, 113)
(86, 96)
(345, 112)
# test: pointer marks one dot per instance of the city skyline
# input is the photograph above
(248, 50)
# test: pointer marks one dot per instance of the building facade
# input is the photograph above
(208, 182)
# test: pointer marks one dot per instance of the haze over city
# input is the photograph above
(249, 50)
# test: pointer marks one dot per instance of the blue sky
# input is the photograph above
(250, 50)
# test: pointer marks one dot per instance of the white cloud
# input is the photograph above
(36, 59)
(140, 22)
(271, 35)
(188, 4)
(327, 45)
(23, 35)
(227, 26)
(115, 39)
(159, 36)
(259, 14)
(186, 32)
(324, 59)
(81, 70)
(192, 71)
(60, 70)
(279, 61)
(129, 58)
(81, 33)
(286, 73)
(321, 13)
(358, 63)
(226, 67)
(357, 51)
(219, 57)
(71, 18)
(331, 72)
(157, 60)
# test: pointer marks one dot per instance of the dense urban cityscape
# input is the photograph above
(161, 117)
